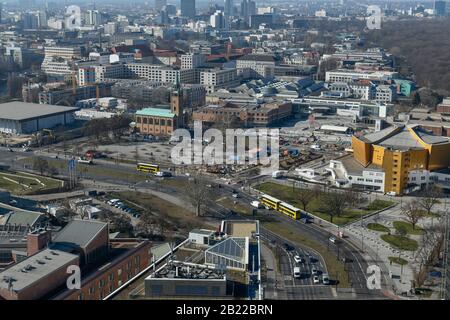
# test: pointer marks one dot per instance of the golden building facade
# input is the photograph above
(398, 150)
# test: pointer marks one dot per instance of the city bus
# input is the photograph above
(146, 167)
(289, 210)
(270, 202)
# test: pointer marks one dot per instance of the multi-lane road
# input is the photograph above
(295, 289)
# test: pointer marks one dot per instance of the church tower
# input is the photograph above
(176, 103)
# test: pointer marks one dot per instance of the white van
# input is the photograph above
(297, 272)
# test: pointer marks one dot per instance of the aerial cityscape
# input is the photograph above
(238, 150)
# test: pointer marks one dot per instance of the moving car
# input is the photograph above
(325, 278)
(314, 271)
(333, 240)
(316, 280)
(297, 272)
(298, 259)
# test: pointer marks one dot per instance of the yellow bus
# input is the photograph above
(289, 210)
(146, 167)
(270, 202)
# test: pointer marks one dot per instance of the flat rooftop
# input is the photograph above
(18, 110)
(191, 271)
(237, 228)
(353, 167)
(35, 268)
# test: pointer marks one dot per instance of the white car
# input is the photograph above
(316, 280)
(235, 195)
(298, 259)
(297, 272)
(314, 271)
(333, 239)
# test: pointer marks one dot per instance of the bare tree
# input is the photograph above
(430, 198)
(197, 192)
(146, 222)
(335, 204)
(412, 212)
(41, 165)
(430, 248)
(305, 196)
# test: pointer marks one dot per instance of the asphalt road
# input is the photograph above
(356, 268)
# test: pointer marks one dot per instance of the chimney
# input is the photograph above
(37, 240)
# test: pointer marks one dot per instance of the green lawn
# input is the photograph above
(408, 227)
(23, 183)
(399, 261)
(377, 227)
(334, 266)
(315, 207)
(95, 169)
(402, 243)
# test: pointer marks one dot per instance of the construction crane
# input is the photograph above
(74, 84)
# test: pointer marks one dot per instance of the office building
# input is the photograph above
(217, 20)
(229, 8)
(188, 8)
(256, 65)
(159, 4)
(440, 8)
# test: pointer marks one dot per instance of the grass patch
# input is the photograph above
(315, 207)
(399, 242)
(181, 217)
(378, 204)
(408, 227)
(98, 170)
(23, 184)
(334, 266)
(377, 227)
(397, 260)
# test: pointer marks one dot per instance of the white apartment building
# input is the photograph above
(352, 75)
(386, 93)
(214, 79)
(261, 66)
(67, 53)
(151, 72)
(86, 76)
(57, 67)
(192, 60)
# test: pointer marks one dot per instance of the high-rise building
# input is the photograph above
(93, 18)
(188, 8)
(30, 20)
(170, 9)
(159, 4)
(229, 8)
(439, 8)
(218, 20)
(248, 7)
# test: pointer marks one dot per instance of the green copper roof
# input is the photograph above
(155, 112)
